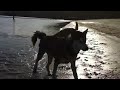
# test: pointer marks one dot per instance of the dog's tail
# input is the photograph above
(76, 27)
(36, 35)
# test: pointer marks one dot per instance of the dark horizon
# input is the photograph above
(65, 14)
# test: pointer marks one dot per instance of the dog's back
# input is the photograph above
(57, 47)
(65, 32)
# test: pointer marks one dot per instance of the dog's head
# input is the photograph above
(79, 41)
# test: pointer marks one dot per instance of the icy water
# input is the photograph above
(17, 56)
(16, 52)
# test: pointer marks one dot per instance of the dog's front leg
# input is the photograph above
(48, 64)
(55, 69)
(74, 70)
(39, 56)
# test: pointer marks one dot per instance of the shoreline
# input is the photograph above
(103, 26)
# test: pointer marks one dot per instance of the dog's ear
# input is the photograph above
(69, 37)
(76, 27)
(85, 32)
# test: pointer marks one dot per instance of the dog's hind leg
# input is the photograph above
(73, 67)
(55, 69)
(48, 64)
(39, 56)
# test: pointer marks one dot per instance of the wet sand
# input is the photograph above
(101, 61)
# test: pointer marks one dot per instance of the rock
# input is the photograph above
(95, 73)
(103, 43)
(87, 74)
(86, 60)
(85, 69)
(102, 62)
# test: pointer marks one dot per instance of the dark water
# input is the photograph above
(16, 52)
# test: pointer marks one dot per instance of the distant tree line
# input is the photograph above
(65, 14)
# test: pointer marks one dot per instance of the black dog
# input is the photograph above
(63, 47)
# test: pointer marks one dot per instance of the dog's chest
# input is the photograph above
(66, 59)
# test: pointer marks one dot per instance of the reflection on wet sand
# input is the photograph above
(16, 52)
(101, 58)
(14, 26)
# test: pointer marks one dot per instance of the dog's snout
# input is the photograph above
(86, 48)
